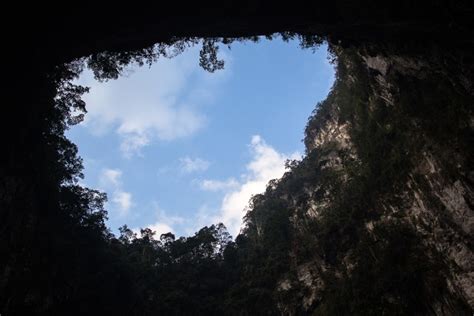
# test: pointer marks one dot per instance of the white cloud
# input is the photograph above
(189, 165)
(266, 164)
(217, 185)
(110, 177)
(123, 200)
(162, 103)
(132, 143)
(160, 228)
(110, 181)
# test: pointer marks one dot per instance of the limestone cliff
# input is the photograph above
(388, 156)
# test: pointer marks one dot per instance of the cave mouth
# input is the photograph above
(173, 128)
(57, 256)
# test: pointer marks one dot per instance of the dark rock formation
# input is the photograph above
(380, 209)
(376, 160)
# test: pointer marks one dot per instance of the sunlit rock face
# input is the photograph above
(432, 194)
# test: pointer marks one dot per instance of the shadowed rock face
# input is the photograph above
(60, 34)
(391, 146)
(429, 193)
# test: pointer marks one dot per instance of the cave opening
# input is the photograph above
(171, 127)
(386, 231)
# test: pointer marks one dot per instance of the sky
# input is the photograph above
(177, 148)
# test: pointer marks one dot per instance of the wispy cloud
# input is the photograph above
(162, 103)
(110, 180)
(189, 165)
(123, 200)
(217, 185)
(266, 163)
(110, 177)
(132, 143)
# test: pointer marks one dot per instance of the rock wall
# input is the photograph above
(433, 196)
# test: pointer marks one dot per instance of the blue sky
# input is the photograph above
(177, 148)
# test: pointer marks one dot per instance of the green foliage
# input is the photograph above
(110, 64)
(260, 256)
(393, 274)
(208, 56)
(177, 276)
